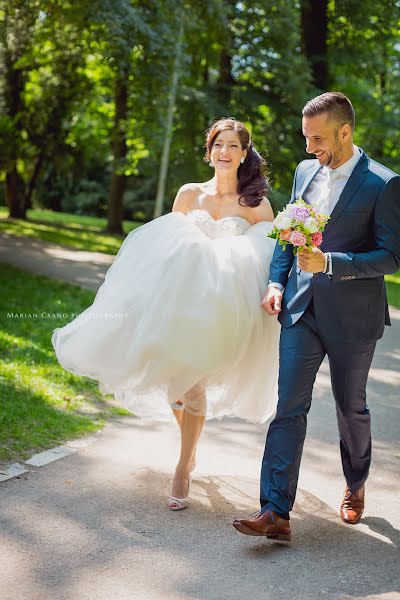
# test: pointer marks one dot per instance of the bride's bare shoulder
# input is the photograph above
(187, 197)
(263, 212)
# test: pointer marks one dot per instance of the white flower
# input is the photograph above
(310, 225)
(282, 221)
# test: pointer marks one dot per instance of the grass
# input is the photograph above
(77, 231)
(393, 289)
(41, 405)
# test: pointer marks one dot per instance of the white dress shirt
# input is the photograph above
(325, 189)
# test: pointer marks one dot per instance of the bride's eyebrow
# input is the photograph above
(229, 141)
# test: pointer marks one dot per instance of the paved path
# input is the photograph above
(80, 267)
(93, 526)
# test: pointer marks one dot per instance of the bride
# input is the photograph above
(177, 323)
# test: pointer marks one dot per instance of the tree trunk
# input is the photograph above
(314, 28)
(225, 81)
(14, 183)
(32, 181)
(158, 208)
(14, 194)
(118, 179)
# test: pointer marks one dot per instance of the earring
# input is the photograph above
(210, 163)
(242, 160)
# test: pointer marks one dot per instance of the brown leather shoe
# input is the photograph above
(268, 524)
(352, 506)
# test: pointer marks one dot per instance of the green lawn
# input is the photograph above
(393, 289)
(77, 231)
(41, 405)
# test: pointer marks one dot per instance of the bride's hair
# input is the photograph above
(253, 184)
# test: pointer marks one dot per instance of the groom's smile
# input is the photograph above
(330, 142)
(323, 157)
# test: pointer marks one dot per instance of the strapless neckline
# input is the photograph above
(200, 210)
(218, 228)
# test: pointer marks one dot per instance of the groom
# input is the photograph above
(330, 302)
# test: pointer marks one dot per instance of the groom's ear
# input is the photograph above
(345, 132)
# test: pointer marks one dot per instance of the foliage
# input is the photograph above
(244, 59)
(365, 59)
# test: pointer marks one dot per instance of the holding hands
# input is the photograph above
(310, 261)
(271, 302)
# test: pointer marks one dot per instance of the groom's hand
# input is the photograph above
(311, 261)
(272, 301)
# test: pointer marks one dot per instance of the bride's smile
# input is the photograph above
(227, 152)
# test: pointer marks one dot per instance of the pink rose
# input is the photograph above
(317, 238)
(285, 234)
(297, 238)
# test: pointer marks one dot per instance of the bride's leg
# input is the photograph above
(192, 426)
(192, 422)
(178, 414)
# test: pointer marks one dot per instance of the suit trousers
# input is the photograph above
(301, 351)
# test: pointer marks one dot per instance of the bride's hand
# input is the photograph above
(271, 302)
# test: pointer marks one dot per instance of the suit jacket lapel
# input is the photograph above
(354, 182)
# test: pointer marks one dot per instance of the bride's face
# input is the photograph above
(227, 151)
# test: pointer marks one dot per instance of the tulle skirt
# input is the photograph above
(178, 317)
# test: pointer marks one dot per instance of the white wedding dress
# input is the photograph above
(179, 317)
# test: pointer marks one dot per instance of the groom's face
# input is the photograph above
(323, 139)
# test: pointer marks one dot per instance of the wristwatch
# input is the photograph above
(327, 264)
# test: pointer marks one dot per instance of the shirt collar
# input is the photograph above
(346, 169)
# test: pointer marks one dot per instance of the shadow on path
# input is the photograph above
(103, 531)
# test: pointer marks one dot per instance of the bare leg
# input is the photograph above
(191, 423)
(192, 426)
(178, 414)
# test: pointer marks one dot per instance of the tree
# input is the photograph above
(17, 21)
(53, 87)
(86, 98)
(122, 29)
(314, 40)
(365, 63)
(42, 56)
(158, 209)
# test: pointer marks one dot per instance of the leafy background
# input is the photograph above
(86, 87)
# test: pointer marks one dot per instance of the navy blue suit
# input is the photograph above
(340, 316)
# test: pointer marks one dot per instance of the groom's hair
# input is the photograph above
(336, 104)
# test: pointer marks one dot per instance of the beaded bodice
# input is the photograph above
(218, 228)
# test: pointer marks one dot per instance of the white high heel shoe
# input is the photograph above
(175, 503)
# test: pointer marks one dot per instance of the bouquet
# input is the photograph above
(299, 224)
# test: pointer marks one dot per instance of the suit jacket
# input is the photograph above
(363, 236)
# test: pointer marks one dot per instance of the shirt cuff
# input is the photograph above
(330, 272)
(276, 285)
